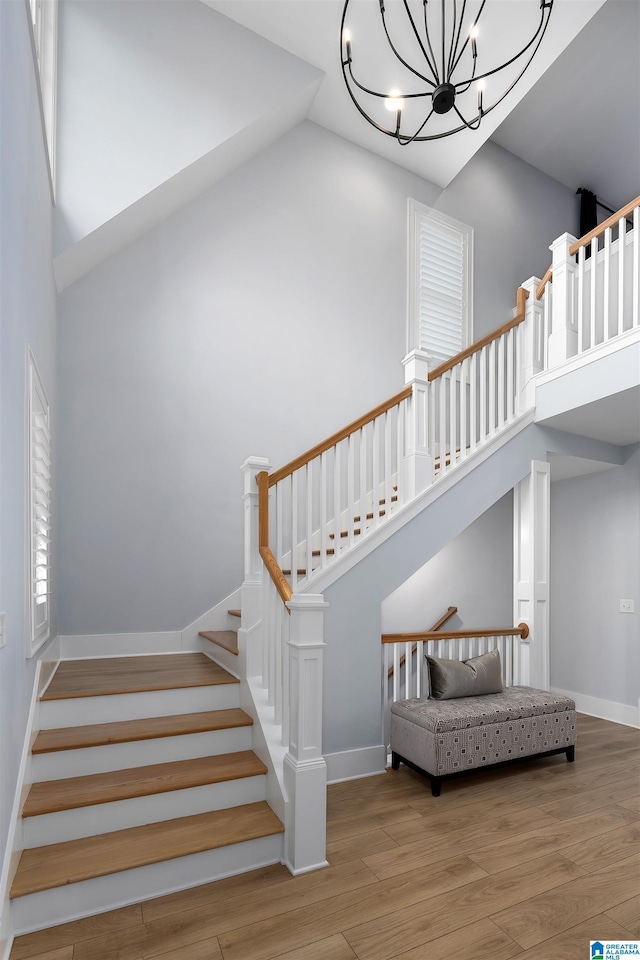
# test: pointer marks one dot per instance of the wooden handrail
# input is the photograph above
(522, 630)
(335, 438)
(612, 221)
(276, 574)
(273, 568)
(545, 280)
(521, 298)
(600, 229)
(451, 611)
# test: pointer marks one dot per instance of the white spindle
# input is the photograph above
(510, 374)
(337, 496)
(453, 416)
(442, 426)
(351, 486)
(464, 379)
(286, 686)
(473, 401)
(279, 522)
(396, 671)
(294, 530)
(582, 254)
(309, 520)
(546, 302)
(375, 471)
(400, 449)
(636, 265)
(593, 292)
(622, 235)
(492, 388)
(431, 411)
(364, 460)
(277, 662)
(500, 360)
(388, 466)
(606, 333)
(324, 493)
(482, 433)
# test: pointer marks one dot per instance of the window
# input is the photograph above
(44, 21)
(440, 283)
(39, 440)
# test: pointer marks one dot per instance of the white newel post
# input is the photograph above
(531, 346)
(418, 462)
(531, 528)
(305, 769)
(251, 593)
(563, 340)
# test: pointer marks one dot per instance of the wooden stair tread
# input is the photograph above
(51, 796)
(43, 868)
(113, 675)
(150, 728)
(227, 639)
(234, 613)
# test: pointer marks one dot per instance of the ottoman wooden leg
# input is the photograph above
(571, 753)
(395, 761)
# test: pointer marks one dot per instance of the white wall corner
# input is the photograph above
(217, 618)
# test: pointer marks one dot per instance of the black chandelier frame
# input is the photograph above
(443, 88)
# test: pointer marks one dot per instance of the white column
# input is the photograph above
(418, 462)
(531, 526)
(531, 352)
(563, 340)
(251, 592)
(305, 770)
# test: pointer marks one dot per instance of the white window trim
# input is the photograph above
(43, 28)
(38, 633)
(416, 213)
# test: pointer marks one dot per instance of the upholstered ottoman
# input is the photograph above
(446, 738)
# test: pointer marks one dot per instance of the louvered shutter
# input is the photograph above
(442, 284)
(40, 510)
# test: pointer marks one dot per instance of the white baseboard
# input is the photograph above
(604, 709)
(89, 645)
(355, 764)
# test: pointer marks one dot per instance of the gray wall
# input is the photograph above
(595, 562)
(473, 573)
(258, 320)
(27, 315)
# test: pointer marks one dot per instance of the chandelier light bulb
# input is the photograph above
(393, 102)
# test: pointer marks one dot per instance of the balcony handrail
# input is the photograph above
(594, 234)
(522, 631)
(521, 299)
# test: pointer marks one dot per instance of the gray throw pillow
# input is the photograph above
(449, 679)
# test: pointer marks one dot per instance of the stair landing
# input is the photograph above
(113, 675)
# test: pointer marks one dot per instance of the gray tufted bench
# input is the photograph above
(447, 738)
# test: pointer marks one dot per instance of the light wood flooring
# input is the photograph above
(530, 861)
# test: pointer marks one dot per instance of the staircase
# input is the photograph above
(160, 791)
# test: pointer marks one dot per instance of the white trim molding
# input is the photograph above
(623, 713)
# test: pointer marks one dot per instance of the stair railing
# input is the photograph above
(451, 645)
(591, 291)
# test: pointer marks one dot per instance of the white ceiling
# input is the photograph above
(552, 120)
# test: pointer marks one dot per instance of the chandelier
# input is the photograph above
(430, 61)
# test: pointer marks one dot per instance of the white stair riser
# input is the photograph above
(118, 815)
(120, 756)
(75, 900)
(78, 711)
(220, 656)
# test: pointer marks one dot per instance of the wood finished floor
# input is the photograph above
(533, 860)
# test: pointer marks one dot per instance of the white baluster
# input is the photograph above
(442, 426)
(351, 487)
(388, 466)
(364, 486)
(337, 496)
(464, 379)
(622, 232)
(309, 519)
(593, 337)
(375, 470)
(482, 362)
(294, 529)
(324, 495)
(582, 255)
(607, 284)
(510, 351)
(501, 372)
(473, 401)
(635, 313)
(453, 416)
(492, 388)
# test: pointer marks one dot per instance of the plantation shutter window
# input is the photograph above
(440, 259)
(39, 509)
